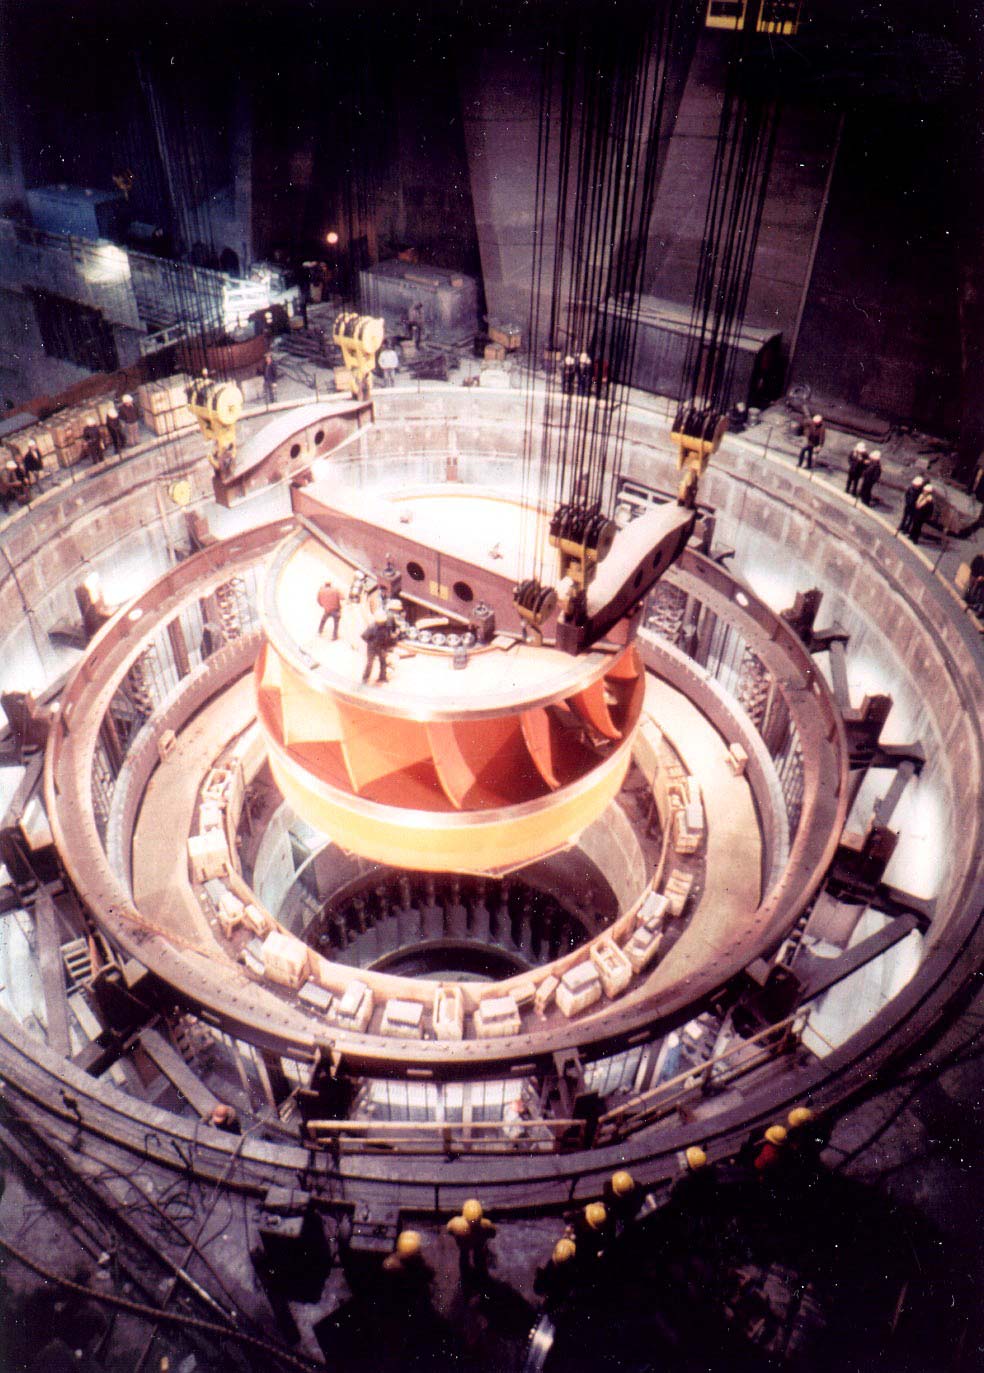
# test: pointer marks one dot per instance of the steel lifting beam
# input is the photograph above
(820, 974)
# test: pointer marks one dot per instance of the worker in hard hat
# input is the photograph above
(408, 1251)
(772, 1153)
(553, 1282)
(406, 1272)
(696, 1189)
(378, 637)
(924, 509)
(114, 426)
(472, 1232)
(805, 1137)
(622, 1198)
(856, 460)
(592, 1231)
(814, 433)
(130, 419)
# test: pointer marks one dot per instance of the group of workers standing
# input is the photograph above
(18, 476)
(780, 1158)
(22, 472)
(919, 505)
(864, 471)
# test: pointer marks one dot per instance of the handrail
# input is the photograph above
(788, 1027)
(444, 1136)
(616, 1124)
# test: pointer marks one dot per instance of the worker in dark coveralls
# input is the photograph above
(115, 426)
(378, 638)
(406, 1275)
(622, 1198)
(856, 460)
(33, 465)
(130, 419)
(592, 1231)
(269, 379)
(553, 1282)
(922, 511)
(909, 503)
(331, 607)
(814, 433)
(471, 1232)
(871, 474)
(92, 443)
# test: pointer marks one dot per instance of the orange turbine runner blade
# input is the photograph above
(455, 775)
(539, 736)
(592, 706)
(375, 745)
(310, 716)
(627, 664)
(268, 697)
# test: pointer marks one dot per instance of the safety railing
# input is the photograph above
(448, 1137)
(699, 1082)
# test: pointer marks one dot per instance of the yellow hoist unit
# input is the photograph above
(360, 338)
(217, 405)
(583, 538)
(697, 432)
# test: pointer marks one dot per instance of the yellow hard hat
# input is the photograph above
(472, 1211)
(696, 1158)
(564, 1251)
(595, 1214)
(799, 1115)
(408, 1244)
(622, 1183)
(776, 1134)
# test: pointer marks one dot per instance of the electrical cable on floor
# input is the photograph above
(198, 1249)
(159, 1314)
(193, 1243)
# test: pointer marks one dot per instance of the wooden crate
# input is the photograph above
(508, 335)
(69, 453)
(44, 440)
(65, 430)
(169, 421)
(154, 399)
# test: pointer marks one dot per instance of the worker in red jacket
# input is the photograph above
(331, 607)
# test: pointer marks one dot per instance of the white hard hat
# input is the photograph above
(876, 453)
(862, 447)
(128, 399)
(918, 479)
(929, 487)
(818, 419)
